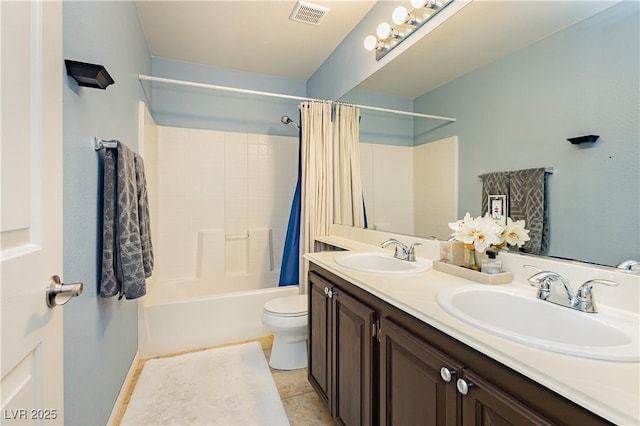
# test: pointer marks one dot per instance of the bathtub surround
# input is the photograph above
(229, 385)
(222, 204)
(221, 265)
(401, 182)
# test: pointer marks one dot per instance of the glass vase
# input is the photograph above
(470, 257)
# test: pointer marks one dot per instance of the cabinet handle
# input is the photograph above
(326, 290)
(446, 374)
(463, 386)
(332, 293)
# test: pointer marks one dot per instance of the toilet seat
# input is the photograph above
(289, 306)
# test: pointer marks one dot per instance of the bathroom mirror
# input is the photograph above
(520, 78)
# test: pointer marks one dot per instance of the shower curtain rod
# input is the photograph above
(283, 96)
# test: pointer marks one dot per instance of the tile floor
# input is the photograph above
(300, 401)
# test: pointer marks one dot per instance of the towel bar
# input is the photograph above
(101, 143)
(236, 237)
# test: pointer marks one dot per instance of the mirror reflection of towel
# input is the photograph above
(528, 201)
(127, 255)
(526, 192)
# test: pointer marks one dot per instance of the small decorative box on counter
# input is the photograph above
(452, 252)
(470, 274)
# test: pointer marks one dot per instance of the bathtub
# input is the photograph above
(182, 316)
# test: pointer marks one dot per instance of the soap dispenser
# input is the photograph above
(491, 265)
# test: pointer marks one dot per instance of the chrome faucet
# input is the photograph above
(553, 288)
(629, 265)
(402, 251)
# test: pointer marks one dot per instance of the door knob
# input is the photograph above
(58, 293)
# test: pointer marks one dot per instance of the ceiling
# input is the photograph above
(259, 37)
(253, 36)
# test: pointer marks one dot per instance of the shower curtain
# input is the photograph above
(313, 199)
(290, 267)
(349, 208)
(316, 192)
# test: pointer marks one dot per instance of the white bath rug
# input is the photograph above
(223, 386)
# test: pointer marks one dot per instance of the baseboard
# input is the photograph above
(116, 412)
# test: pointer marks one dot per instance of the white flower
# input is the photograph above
(464, 229)
(487, 233)
(483, 232)
(514, 233)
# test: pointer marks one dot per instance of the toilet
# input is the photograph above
(287, 318)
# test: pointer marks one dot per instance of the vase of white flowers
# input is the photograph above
(480, 233)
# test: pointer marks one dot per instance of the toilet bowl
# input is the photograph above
(287, 318)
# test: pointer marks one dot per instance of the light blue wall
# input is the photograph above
(100, 335)
(181, 106)
(517, 113)
(382, 127)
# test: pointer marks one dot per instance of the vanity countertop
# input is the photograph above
(609, 389)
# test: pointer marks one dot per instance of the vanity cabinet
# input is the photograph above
(373, 363)
(412, 390)
(341, 352)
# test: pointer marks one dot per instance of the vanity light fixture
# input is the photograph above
(405, 23)
(401, 16)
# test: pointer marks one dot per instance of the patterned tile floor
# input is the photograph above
(300, 401)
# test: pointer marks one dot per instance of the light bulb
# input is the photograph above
(399, 15)
(418, 3)
(383, 30)
(370, 42)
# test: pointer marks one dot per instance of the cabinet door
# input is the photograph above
(353, 397)
(412, 390)
(485, 404)
(319, 353)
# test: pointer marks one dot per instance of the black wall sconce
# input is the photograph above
(584, 139)
(88, 75)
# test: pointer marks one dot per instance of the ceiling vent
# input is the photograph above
(308, 13)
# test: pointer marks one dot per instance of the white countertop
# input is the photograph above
(609, 389)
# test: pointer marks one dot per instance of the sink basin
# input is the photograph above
(381, 263)
(517, 315)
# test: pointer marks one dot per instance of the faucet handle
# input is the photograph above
(401, 251)
(584, 295)
(586, 289)
(542, 281)
(533, 267)
(411, 255)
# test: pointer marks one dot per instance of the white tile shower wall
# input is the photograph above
(148, 148)
(435, 191)
(213, 183)
(366, 171)
(391, 186)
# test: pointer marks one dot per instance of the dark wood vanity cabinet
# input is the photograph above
(341, 352)
(412, 390)
(373, 363)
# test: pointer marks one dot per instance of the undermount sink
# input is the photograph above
(517, 315)
(381, 263)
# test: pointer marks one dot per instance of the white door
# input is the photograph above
(30, 211)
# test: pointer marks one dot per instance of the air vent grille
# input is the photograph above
(308, 13)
